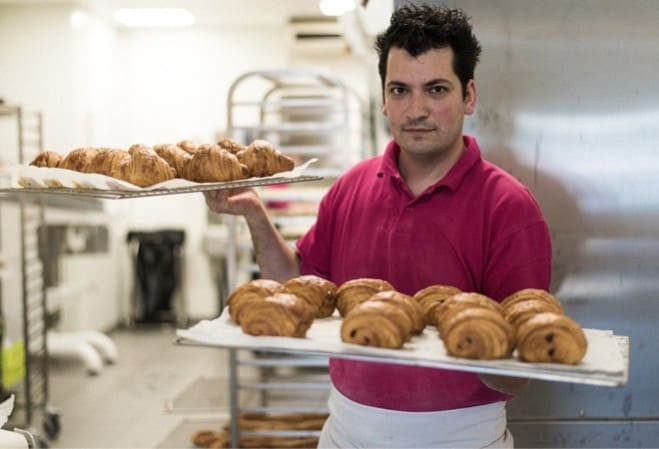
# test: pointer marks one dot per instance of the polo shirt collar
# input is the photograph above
(452, 179)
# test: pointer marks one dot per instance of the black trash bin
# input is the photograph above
(157, 263)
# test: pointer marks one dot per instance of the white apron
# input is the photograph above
(353, 425)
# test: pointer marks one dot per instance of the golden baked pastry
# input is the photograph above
(79, 159)
(318, 292)
(109, 162)
(530, 294)
(431, 297)
(262, 159)
(378, 324)
(231, 145)
(187, 145)
(356, 291)
(551, 337)
(455, 303)
(516, 314)
(281, 314)
(251, 291)
(411, 308)
(47, 159)
(478, 333)
(211, 163)
(145, 167)
(175, 156)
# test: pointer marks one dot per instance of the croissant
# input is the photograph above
(318, 292)
(551, 337)
(478, 333)
(79, 159)
(456, 303)
(356, 291)
(376, 323)
(187, 145)
(231, 145)
(175, 156)
(251, 291)
(517, 313)
(210, 163)
(411, 308)
(281, 314)
(262, 159)
(109, 162)
(530, 294)
(47, 159)
(145, 167)
(431, 297)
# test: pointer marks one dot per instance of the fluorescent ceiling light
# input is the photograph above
(336, 7)
(154, 17)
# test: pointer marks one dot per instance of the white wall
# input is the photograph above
(102, 86)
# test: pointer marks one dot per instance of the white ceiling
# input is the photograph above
(207, 12)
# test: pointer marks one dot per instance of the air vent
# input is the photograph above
(316, 36)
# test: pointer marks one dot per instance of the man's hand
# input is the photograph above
(233, 201)
(504, 384)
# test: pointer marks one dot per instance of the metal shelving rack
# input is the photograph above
(305, 114)
(32, 397)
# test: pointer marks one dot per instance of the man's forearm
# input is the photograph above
(275, 258)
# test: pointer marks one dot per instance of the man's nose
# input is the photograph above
(417, 107)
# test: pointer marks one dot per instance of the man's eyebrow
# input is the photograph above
(431, 82)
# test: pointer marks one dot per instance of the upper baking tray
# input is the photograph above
(606, 362)
(28, 179)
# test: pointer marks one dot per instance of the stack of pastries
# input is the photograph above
(142, 165)
(543, 331)
(471, 325)
(267, 307)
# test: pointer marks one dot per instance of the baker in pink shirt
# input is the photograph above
(428, 211)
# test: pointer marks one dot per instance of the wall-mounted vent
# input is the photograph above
(316, 36)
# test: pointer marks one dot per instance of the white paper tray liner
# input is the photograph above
(606, 362)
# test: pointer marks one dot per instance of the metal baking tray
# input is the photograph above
(606, 362)
(53, 181)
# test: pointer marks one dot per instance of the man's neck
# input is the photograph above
(421, 172)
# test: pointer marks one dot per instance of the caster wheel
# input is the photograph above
(51, 424)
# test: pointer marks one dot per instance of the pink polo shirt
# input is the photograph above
(477, 228)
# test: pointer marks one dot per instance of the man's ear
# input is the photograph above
(470, 97)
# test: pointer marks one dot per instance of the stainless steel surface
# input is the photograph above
(568, 103)
(115, 194)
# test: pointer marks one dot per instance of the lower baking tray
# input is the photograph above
(606, 362)
(55, 181)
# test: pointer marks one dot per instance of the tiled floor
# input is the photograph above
(142, 400)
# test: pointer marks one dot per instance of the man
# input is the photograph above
(428, 211)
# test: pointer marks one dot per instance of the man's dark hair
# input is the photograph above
(419, 28)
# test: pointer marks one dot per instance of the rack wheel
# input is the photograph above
(51, 424)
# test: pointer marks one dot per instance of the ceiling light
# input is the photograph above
(336, 7)
(154, 17)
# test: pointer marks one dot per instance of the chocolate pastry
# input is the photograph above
(551, 337)
(431, 297)
(455, 303)
(478, 333)
(262, 159)
(318, 292)
(378, 324)
(281, 314)
(516, 314)
(47, 159)
(408, 305)
(254, 290)
(530, 294)
(356, 291)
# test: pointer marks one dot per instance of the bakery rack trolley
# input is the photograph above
(32, 396)
(306, 114)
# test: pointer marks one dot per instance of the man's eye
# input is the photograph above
(397, 90)
(438, 89)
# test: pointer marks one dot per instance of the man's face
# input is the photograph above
(424, 104)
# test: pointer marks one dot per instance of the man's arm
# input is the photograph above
(275, 258)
